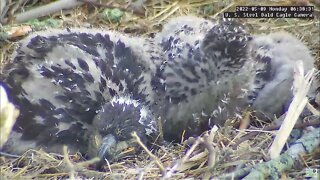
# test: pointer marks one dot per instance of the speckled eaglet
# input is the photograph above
(89, 89)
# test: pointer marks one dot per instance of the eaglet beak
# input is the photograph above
(109, 149)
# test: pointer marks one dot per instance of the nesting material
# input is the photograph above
(301, 88)
(229, 163)
(8, 116)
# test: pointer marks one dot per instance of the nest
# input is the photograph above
(217, 152)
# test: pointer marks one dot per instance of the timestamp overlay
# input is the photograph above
(271, 12)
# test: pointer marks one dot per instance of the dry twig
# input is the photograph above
(157, 161)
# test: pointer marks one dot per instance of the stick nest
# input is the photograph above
(216, 153)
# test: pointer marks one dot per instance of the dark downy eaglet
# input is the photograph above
(61, 80)
(91, 90)
(207, 72)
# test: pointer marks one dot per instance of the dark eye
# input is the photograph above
(278, 41)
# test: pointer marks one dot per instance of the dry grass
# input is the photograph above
(202, 159)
